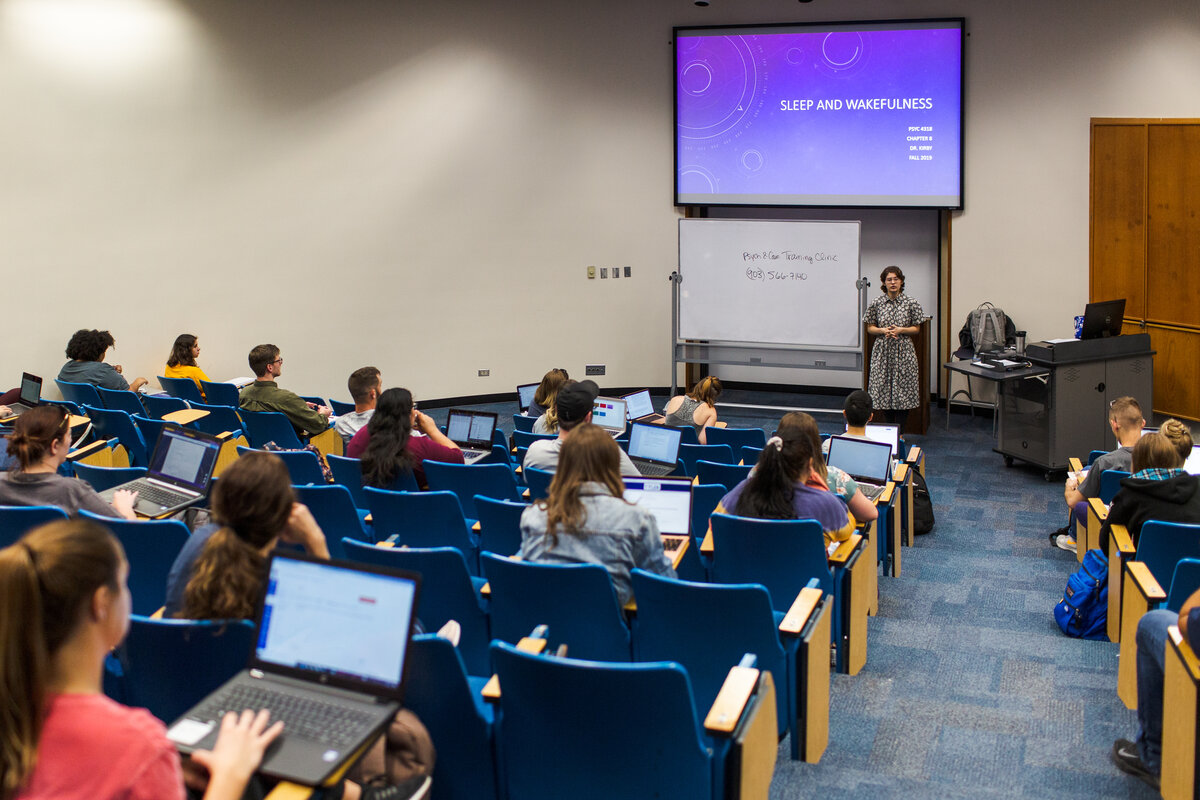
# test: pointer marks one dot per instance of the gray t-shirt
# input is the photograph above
(1121, 458)
(543, 454)
(349, 424)
(97, 373)
(51, 489)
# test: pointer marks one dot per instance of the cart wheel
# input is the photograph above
(1008, 461)
(1049, 476)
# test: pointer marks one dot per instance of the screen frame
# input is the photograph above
(799, 27)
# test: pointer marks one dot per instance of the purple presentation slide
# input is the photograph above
(862, 115)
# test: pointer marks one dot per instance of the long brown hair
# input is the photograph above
(707, 391)
(390, 428)
(786, 459)
(1155, 450)
(252, 502)
(551, 381)
(47, 580)
(35, 431)
(588, 454)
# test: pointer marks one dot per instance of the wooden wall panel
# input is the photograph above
(1118, 195)
(1173, 232)
(1176, 371)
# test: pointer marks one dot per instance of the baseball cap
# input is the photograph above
(575, 400)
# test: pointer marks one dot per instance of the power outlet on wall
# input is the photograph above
(593, 369)
(483, 373)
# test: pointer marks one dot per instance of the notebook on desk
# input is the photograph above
(640, 408)
(180, 472)
(31, 395)
(669, 500)
(654, 449)
(331, 642)
(472, 431)
(868, 463)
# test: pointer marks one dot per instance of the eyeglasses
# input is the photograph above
(277, 361)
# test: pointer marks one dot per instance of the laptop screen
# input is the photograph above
(336, 620)
(31, 389)
(668, 499)
(639, 404)
(525, 395)
(185, 458)
(1192, 465)
(655, 442)
(885, 433)
(470, 427)
(860, 458)
(609, 413)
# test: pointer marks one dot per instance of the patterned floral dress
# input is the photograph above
(894, 369)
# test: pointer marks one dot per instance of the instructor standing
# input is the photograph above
(895, 318)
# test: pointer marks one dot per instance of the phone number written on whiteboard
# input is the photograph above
(756, 274)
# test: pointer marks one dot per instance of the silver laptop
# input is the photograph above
(640, 408)
(669, 500)
(31, 395)
(886, 433)
(525, 393)
(180, 472)
(868, 463)
(472, 432)
(654, 449)
(331, 643)
(609, 413)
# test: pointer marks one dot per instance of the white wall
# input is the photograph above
(345, 179)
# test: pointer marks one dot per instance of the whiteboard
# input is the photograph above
(773, 281)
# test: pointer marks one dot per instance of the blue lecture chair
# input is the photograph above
(341, 408)
(121, 400)
(16, 521)
(220, 419)
(101, 478)
(348, 472)
(183, 388)
(538, 481)
(263, 427)
(151, 547)
(499, 525)
(1110, 484)
(150, 428)
(466, 481)
(689, 454)
(523, 439)
(219, 394)
(422, 519)
(1184, 581)
(737, 438)
(728, 475)
(81, 394)
(109, 424)
(303, 466)
(334, 510)
(158, 406)
(523, 423)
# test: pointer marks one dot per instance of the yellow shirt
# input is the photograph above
(195, 373)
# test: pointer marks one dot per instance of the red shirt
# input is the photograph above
(93, 748)
(418, 448)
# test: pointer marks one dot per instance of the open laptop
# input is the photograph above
(1192, 465)
(886, 433)
(472, 431)
(31, 395)
(525, 393)
(654, 449)
(330, 645)
(869, 463)
(609, 413)
(640, 408)
(1103, 319)
(180, 471)
(669, 500)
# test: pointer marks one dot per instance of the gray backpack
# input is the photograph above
(987, 325)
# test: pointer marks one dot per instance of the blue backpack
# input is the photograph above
(1083, 611)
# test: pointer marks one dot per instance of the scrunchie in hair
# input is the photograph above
(776, 442)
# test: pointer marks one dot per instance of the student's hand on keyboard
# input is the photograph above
(123, 502)
(239, 750)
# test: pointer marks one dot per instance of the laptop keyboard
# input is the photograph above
(871, 491)
(473, 453)
(303, 715)
(157, 495)
(656, 470)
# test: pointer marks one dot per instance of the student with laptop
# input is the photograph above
(66, 607)
(86, 350)
(574, 404)
(265, 395)
(1125, 419)
(29, 395)
(857, 411)
(365, 385)
(40, 442)
(388, 444)
(543, 398)
(697, 408)
(784, 485)
(586, 520)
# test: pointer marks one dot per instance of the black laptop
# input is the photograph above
(331, 642)
(868, 463)
(180, 472)
(525, 395)
(640, 408)
(654, 449)
(31, 395)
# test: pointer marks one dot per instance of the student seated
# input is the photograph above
(573, 405)
(1158, 489)
(857, 412)
(389, 448)
(66, 607)
(86, 351)
(832, 479)
(697, 408)
(543, 396)
(39, 444)
(364, 384)
(265, 395)
(1142, 757)
(1125, 419)
(783, 484)
(182, 361)
(586, 519)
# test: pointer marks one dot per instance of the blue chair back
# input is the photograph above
(642, 730)
(16, 521)
(150, 429)
(749, 455)
(312, 398)
(102, 478)
(577, 601)
(708, 628)
(302, 465)
(1110, 483)
(170, 665)
(523, 439)
(499, 525)
(158, 406)
(422, 519)
(688, 434)
(81, 394)
(1185, 581)
(447, 592)
(523, 423)
(728, 475)
(1092, 456)
(781, 554)
(736, 438)
(109, 424)
(150, 547)
(348, 472)
(538, 481)
(217, 393)
(1161, 545)
(183, 388)
(341, 407)
(333, 509)
(219, 420)
(262, 427)
(67, 404)
(121, 400)
(705, 497)
(440, 693)
(466, 481)
(689, 454)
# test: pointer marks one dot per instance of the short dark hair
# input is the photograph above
(892, 270)
(858, 408)
(261, 357)
(88, 345)
(361, 382)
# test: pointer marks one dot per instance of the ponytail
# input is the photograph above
(770, 491)
(707, 391)
(36, 430)
(226, 579)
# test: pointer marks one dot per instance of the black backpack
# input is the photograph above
(922, 504)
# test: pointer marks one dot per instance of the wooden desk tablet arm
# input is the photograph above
(1120, 550)
(1181, 690)
(1140, 593)
(185, 416)
(802, 609)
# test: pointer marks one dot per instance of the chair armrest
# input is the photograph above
(491, 689)
(88, 450)
(798, 615)
(845, 550)
(476, 527)
(1121, 539)
(1145, 582)
(719, 424)
(185, 416)
(885, 496)
(74, 420)
(900, 473)
(1181, 688)
(1074, 464)
(731, 701)
(1096, 506)
(706, 546)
